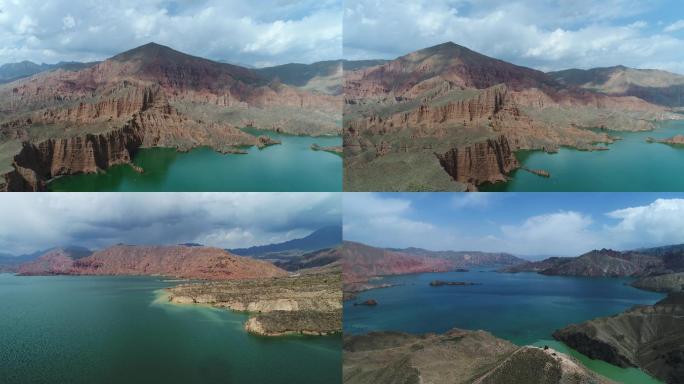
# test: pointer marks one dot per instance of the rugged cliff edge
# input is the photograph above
(457, 356)
(490, 161)
(309, 304)
(649, 337)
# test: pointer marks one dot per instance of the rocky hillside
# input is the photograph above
(66, 122)
(457, 356)
(606, 263)
(656, 86)
(326, 237)
(361, 262)
(671, 282)
(302, 304)
(316, 259)
(649, 337)
(468, 259)
(176, 261)
(449, 118)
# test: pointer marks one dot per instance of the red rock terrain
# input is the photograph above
(67, 122)
(447, 100)
(174, 261)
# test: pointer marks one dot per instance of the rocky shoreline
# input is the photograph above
(306, 304)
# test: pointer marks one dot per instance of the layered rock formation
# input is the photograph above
(450, 100)
(457, 356)
(648, 337)
(65, 122)
(487, 162)
(303, 304)
(671, 282)
(174, 261)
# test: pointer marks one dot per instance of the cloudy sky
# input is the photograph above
(526, 224)
(31, 222)
(259, 33)
(544, 34)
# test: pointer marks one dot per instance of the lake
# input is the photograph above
(290, 166)
(524, 308)
(631, 164)
(69, 329)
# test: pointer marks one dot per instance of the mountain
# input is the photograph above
(650, 337)
(455, 357)
(467, 259)
(322, 76)
(326, 237)
(449, 118)
(14, 71)
(656, 86)
(610, 263)
(67, 122)
(361, 262)
(325, 257)
(11, 263)
(173, 261)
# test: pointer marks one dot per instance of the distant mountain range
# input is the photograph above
(449, 118)
(14, 71)
(11, 263)
(360, 262)
(610, 263)
(323, 238)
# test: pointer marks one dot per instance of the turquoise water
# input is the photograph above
(111, 330)
(290, 166)
(631, 164)
(524, 308)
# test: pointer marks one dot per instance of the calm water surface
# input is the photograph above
(524, 308)
(290, 166)
(119, 330)
(630, 164)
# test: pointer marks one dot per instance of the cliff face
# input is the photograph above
(457, 356)
(484, 162)
(304, 304)
(648, 337)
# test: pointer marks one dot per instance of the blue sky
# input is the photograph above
(544, 34)
(260, 33)
(527, 224)
(32, 222)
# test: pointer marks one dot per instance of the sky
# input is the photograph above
(543, 34)
(532, 225)
(257, 33)
(33, 222)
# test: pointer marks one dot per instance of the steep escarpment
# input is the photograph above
(484, 162)
(457, 356)
(175, 261)
(303, 304)
(649, 337)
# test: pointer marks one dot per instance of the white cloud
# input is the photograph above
(559, 233)
(676, 26)
(273, 31)
(659, 223)
(32, 222)
(539, 34)
(474, 200)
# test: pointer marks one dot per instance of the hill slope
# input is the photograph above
(326, 237)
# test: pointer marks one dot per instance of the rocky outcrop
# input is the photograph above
(671, 282)
(648, 337)
(54, 262)
(674, 140)
(303, 304)
(489, 161)
(458, 356)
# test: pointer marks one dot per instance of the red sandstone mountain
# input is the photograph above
(452, 108)
(175, 261)
(361, 262)
(66, 122)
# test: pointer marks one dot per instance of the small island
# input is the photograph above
(369, 303)
(439, 283)
(674, 140)
(336, 149)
